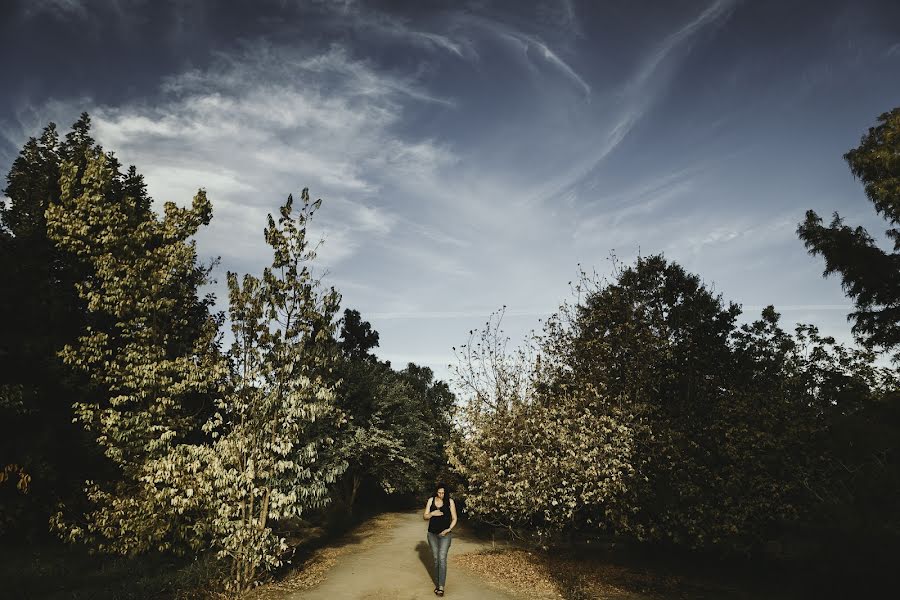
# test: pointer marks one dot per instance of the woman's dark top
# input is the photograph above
(438, 524)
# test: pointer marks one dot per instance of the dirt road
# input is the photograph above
(397, 565)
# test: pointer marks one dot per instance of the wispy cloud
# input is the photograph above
(628, 211)
(530, 48)
(560, 14)
(370, 22)
(677, 40)
(472, 156)
(56, 8)
(95, 18)
(637, 95)
(260, 124)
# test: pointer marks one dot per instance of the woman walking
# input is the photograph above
(440, 512)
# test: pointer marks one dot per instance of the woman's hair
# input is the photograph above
(440, 485)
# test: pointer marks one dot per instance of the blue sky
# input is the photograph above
(473, 154)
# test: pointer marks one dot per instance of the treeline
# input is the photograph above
(643, 410)
(127, 423)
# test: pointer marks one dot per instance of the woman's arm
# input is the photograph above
(427, 514)
(453, 517)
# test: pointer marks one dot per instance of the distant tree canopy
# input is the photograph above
(870, 276)
(398, 422)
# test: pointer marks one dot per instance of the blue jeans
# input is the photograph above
(439, 547)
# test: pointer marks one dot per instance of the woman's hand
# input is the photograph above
(444, 532)
(437, 513)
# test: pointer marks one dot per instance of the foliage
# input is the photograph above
(380, 443)
(398, 421)
(864, 468)
(357, 337)
(42, 312)
(272, 457)
(644, 410)
(869, 275)
(53, 571)
(201, 449)
(437, 404)
(550, 467)
(148, 348)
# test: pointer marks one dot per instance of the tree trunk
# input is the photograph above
(356, 480)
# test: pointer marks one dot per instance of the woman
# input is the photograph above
(441, 522)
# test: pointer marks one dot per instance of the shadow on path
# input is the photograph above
(306, 541)
(427, 558)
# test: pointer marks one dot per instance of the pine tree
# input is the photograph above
(869, 275)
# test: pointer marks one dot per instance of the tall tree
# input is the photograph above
(42, 312)
(148, 346)
(272, 456)
(652, 347)
(645, 410)
(862, 449)
(870, 275)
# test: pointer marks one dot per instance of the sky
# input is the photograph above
(474, 154)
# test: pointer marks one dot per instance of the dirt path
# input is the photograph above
(395, 563)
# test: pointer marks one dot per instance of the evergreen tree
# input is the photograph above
(357, 336)
(42, 312)
(870, 276)
(862, 441)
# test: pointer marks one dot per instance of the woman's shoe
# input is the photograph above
(439, 592)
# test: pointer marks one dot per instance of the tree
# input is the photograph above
(148, 347)
(384, 442)
(357, 336)
(654, 345)
(642, 409)
(272, 456)
(398, 421)
(42, 312)
(437, 405)
(869, 275)
(547, 461)
(861, 446)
